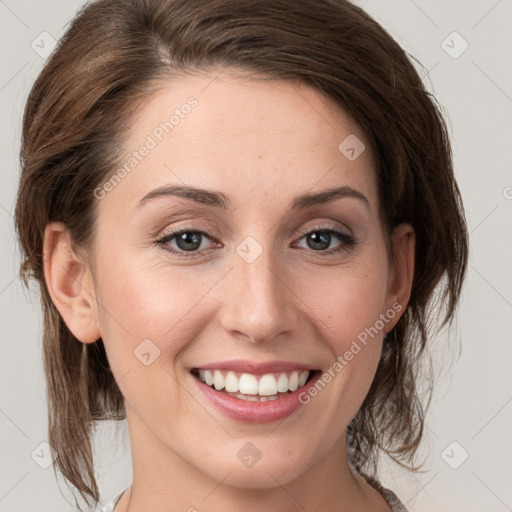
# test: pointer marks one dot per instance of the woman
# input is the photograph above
(243, 217)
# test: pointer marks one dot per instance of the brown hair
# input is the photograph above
(113, 53)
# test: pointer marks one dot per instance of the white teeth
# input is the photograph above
(282, 383)
(231, 383)
(218, 380)
(248, 384)
(267, 385)
(248, 387)
(293, 382)
(208, 377)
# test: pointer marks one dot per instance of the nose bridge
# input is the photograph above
(260, 306)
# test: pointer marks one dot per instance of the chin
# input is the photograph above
(251, 468)
(263, 477)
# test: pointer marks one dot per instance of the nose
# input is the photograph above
(259, 304)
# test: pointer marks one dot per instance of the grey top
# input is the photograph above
(109, 507)
(394, 503)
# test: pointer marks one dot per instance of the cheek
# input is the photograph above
(348, 301)
(159, 303)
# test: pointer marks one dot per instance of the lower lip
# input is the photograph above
(254, 412)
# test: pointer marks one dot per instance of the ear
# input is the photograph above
(69, 283)
(400, 284)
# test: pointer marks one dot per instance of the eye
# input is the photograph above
(190, 242)
(185, 241)
(320, 240)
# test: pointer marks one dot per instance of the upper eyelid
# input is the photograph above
(326, 227)
(175, 232)
(209, 232)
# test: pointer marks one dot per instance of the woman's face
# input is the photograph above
(256, 291)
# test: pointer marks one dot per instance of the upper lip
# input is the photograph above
(262, 368)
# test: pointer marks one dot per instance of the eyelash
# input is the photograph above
(347, 241)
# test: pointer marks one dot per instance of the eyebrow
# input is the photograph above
(198, 195)
(219, 200)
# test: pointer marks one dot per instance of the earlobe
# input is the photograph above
(69, 283)
(399, 292)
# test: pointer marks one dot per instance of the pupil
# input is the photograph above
(188, 241)
(319, 240)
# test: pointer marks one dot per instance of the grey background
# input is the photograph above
(472, 405)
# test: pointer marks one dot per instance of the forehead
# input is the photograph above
(257, 141)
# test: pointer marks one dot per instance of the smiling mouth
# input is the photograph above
(254, 388)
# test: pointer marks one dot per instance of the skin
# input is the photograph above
(261, 144)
